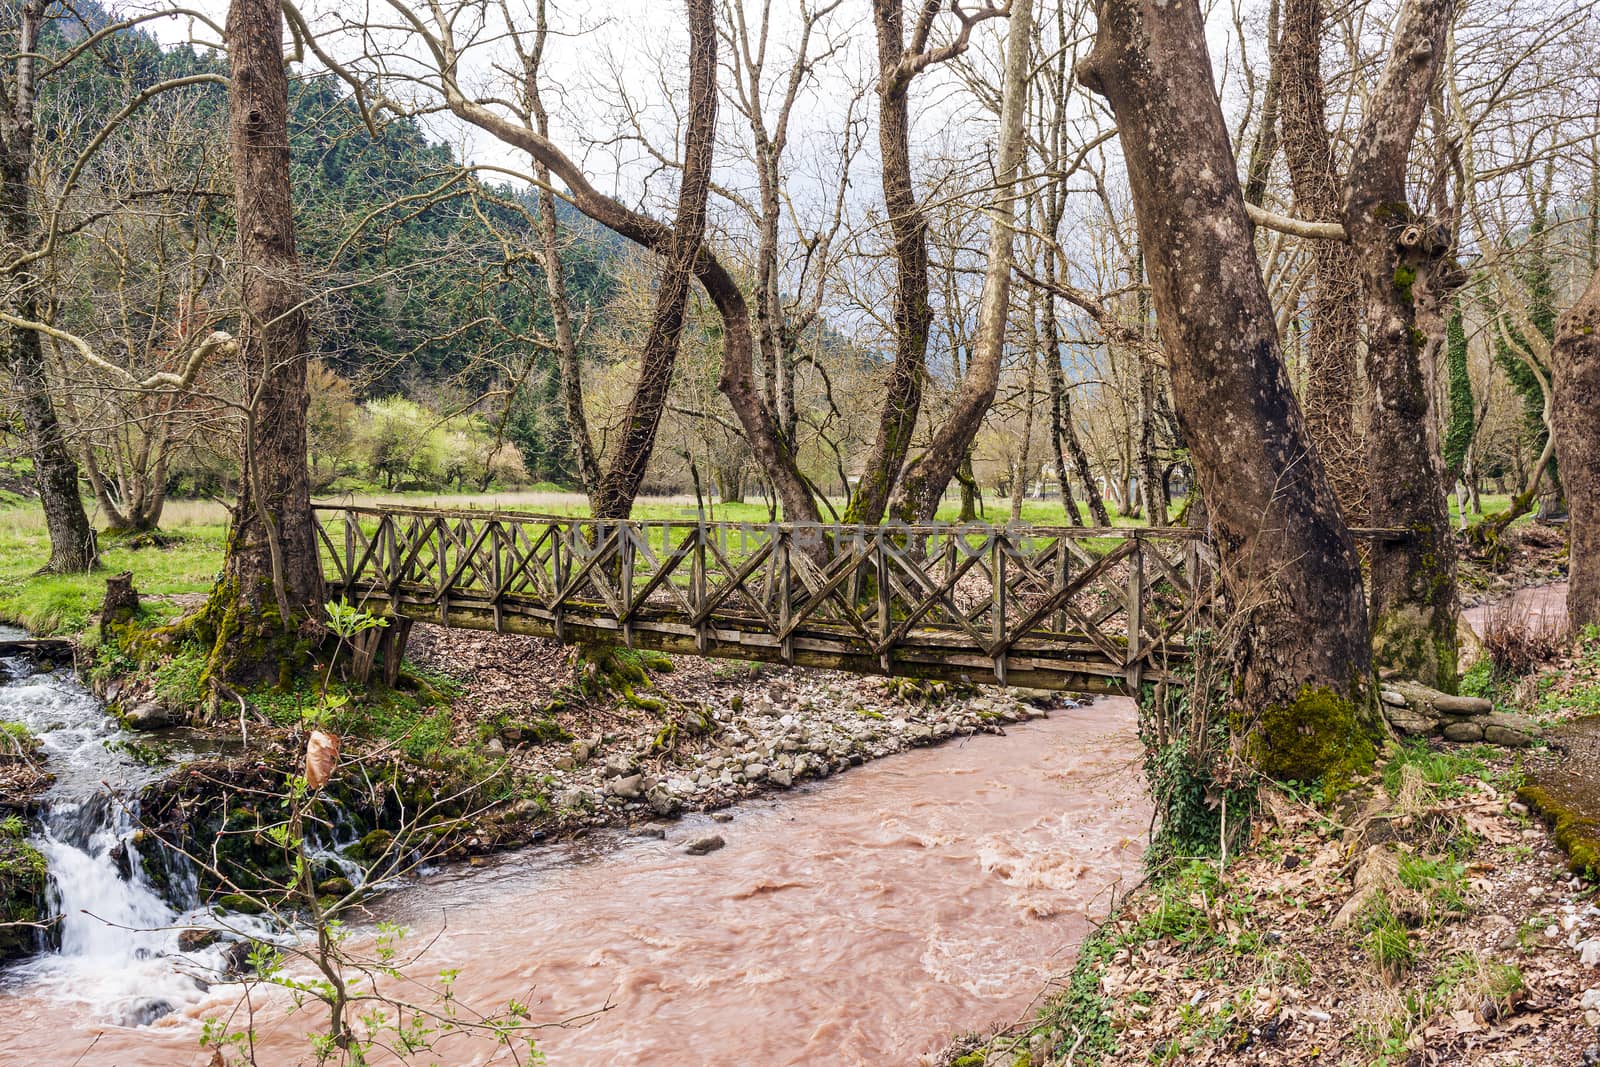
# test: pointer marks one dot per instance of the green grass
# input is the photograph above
(62, 604)
(1442, 880)
(1440, 769)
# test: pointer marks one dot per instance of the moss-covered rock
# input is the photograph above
(23, 877)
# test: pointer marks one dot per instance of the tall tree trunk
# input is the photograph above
(925, 479)
(272, 577)
(620, 484)
(1080, 460)
(1332, 342)
(55, 471)
(1150, 480)
(913, 317)
(1019, 487)
(1576, 418)
(1402, 258)
(1058, 399)
(555, 279)
(1286, 556)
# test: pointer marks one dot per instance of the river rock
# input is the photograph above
(701, 845)
(1463, 730)
(573, 799)
(754, 772)
(662, 802)
(1510, 729)
(1391, 698)
(781, 778)
(628, 787)
(194, 940)
(150, 715)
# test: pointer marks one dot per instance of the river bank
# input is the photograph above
(1427, 916)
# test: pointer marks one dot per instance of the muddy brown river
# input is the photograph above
(863, 919)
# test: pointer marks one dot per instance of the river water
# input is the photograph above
(865, 918)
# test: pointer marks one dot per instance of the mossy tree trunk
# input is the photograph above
(1404, 262)
(1576, 418)
(272, 577)
(1287, 559)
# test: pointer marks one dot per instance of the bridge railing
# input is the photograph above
(1069, 608)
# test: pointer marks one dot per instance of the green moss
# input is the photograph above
(1319, 736)
(243, 905)
(17, 742)
(1404, 278)
(1577, 834)
(373, 846)
(23, 876)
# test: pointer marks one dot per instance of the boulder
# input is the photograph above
(1463, 730)
(1427, 700)
(197, 938)
(662, 802)
(150, 715)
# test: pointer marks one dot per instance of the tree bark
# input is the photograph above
(1576, 417)
(925, 479)
(1058, 399)
(913, 316)
(55, 472)
(272, 576)
(1332, 341)
(1287, 559)
(620, 484)
(1413, 606)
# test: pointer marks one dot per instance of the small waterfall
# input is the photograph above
(118, 945)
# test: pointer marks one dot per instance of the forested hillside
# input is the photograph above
(430, 326)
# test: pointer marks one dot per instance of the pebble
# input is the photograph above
(1589, 952)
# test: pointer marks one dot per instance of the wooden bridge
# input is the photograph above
(1083, 610)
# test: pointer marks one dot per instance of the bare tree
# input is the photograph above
(1305, 662)
(900, 60)
(924, 480)
(72, 545)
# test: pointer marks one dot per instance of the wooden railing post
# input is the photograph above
(1134, 662)
(881, 581)
(781, 553)
(497, 570)
(626, 532)
(697, 586)
(997, 565)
